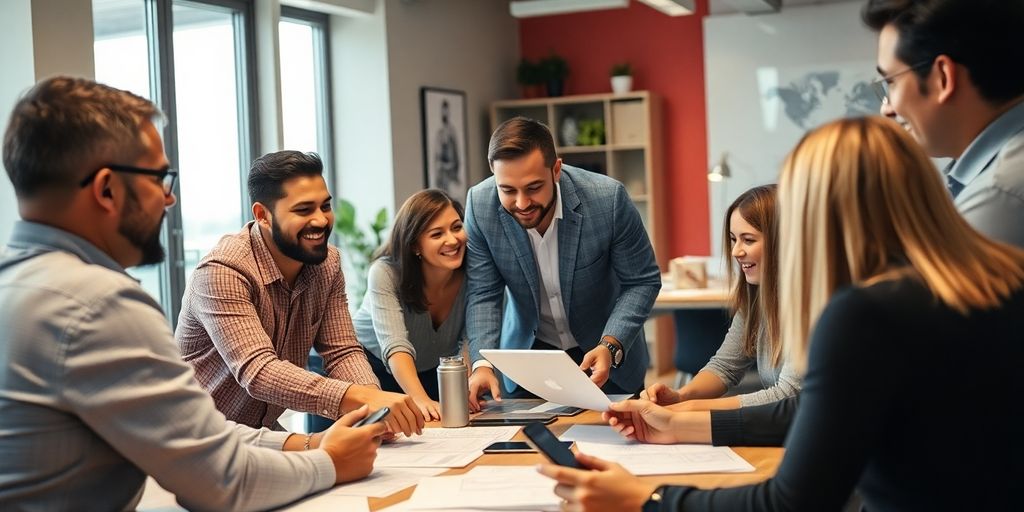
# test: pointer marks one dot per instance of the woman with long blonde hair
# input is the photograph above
(750, 237)
(883, 288)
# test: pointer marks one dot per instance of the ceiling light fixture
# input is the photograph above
(672, 7)
(529, 8)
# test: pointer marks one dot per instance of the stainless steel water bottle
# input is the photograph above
(453, 386)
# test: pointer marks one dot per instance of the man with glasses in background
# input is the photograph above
(93, 393)
(951, 75)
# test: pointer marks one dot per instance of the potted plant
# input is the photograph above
(622, 78)
(358, 246)
(530, 76)
(555, 70)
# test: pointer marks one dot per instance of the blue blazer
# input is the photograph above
(609, 277)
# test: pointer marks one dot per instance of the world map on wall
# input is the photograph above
(820, 96)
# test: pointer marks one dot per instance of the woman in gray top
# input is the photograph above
(414, 310)
(750, 237)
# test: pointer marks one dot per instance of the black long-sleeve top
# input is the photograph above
(756, 425)
(905, 400)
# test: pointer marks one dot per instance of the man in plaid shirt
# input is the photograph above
(264, 296)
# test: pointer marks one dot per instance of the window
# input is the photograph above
(305, 105)
(194, 59)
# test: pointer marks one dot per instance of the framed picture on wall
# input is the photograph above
(444, 140)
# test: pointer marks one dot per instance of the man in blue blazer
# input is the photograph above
(558, 258)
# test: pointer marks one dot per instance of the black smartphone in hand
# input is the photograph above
(542, 440)
(374, 417)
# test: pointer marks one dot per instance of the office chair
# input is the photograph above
(699, 333)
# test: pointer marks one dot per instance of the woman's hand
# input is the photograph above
(603, 486)
(431, 409)
(641, 420)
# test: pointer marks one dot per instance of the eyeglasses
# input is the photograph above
(167, 175)
(881, 85)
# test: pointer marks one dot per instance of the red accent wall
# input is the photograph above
(667, 55)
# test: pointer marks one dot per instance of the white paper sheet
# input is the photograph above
(385, 482)
(664, 459)
(441, 447)
(594, 434)
(487, 488)
(326, 501)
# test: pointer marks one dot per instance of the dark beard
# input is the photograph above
(294, 250)
(544, 210)
(145, 239)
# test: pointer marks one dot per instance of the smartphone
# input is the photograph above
(373, 417)
(486, 419)
(546, 443)
(516, 447)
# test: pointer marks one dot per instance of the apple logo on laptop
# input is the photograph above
(552, 384)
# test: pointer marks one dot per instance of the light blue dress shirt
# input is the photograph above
(987, 181)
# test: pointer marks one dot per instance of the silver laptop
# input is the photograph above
(551, 375)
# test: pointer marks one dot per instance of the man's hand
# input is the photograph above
(482, 381)
(405, 416)
(661, 394)
(352, 450)
(599, 362)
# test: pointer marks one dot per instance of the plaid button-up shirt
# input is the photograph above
(248, 334)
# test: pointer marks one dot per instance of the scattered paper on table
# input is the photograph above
(487, 488)
(594, 434)
(326, 501)
(385, 482)
(441, 447)
(664, 459)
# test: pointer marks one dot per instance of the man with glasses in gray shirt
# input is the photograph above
(93, 393)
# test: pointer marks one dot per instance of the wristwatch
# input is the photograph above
(617, 354)
(653, 504)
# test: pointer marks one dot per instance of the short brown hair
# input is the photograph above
(65, 127)
(518, 137)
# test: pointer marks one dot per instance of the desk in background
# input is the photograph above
(670, 300)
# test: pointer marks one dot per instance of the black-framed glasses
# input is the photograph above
(167, 175)
(881, 85)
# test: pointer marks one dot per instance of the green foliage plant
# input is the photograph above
(358, 245)
(621, 69)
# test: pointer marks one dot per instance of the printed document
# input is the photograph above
(441, 447)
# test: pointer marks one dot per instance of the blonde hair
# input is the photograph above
(759, 304)
(860, 202)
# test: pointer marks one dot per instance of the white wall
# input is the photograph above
(467, 45)
(40, 38)
(362, 112)
(62, 38)
(19, 71)
(742, 54)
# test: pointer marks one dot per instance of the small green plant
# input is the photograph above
(621, 69)
(591, 132)
(358, 246)
(554, 68)
(529, 73)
